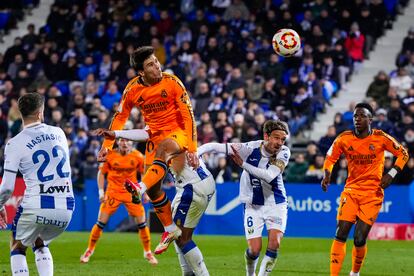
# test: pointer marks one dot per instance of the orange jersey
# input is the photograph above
(164, 106)
(119, 167)
(365, 159)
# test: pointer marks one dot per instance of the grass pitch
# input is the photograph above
(121, 254)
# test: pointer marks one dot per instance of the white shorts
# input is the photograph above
(256, 216)
(191, 201)
(47, 224)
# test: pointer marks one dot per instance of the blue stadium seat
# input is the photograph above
(4, 19)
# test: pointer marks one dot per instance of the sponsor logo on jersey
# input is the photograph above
(55, 222)
(53, 189)
(155, 107)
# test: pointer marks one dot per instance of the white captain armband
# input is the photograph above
(393, 172)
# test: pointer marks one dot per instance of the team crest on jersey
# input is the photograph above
(371, 147)
(184, 97)
(164, 94)
(250, 230)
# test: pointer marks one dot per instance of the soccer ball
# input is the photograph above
(286, 42)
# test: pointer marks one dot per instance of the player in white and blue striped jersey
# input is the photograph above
(261, 190)
(194, 189)
(40, 152)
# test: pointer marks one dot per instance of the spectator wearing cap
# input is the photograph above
(382, 122)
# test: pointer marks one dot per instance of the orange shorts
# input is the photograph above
(114, 200)
(366, 208)
(177, 135)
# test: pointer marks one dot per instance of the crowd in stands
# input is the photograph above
(13, 11)
(220, 49)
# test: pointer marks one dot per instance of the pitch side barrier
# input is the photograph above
(311, 212)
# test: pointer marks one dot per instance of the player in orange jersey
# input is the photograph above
(363, 194)
(121, 164)
(167, 111)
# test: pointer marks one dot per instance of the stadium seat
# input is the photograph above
(4, 19)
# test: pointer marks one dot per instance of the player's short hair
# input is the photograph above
(366, 106)
(271, 125)
(137, 58)
(30, 104)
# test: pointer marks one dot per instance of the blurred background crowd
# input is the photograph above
(222, 51)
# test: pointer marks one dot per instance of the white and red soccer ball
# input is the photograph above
(286, 42)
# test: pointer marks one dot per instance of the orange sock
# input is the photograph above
(338, 251)
(162, 206)
(155, 173)
(96, 233)
(358, 256)
(145, 237)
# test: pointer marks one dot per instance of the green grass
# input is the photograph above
(121, 254)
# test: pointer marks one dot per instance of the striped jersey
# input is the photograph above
(187, 174)
(40, 152)
(253, 188)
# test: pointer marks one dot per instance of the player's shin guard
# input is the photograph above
(96, 233)
(194, 258)
(44, 261)
(338, 251)
(155, 173)
(268, 263)
(251, 262)
(162, 206)
(18, 263)
(145, 237)
(358, 256)
(185, 267)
